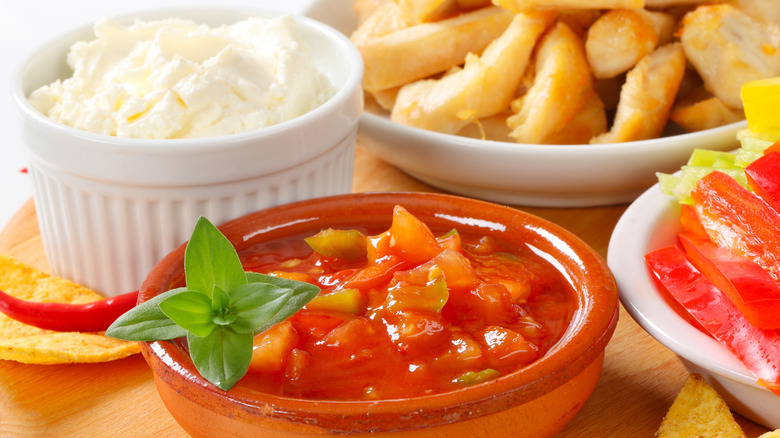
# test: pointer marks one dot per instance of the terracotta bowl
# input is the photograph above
(536, 401)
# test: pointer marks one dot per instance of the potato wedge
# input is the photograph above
(728, 48)
(555, 5)
(647, 96)
(621, 37)
(762, 10)
(426, 49)
(562, 84)
(699, 110)
(485, 86)
(386, 19)
(422, 11)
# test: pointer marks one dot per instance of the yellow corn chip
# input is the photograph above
(773, 434)
(24, 343)
(698, 411)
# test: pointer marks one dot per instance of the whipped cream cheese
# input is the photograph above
(175, 78)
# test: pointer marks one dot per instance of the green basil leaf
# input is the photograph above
(255, 303)
(190, 310)
(210, 260)
(146, 322)
(302, 293)
(222, 357)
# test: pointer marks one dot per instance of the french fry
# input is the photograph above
(621, 37)
(422, 11)
(647, 96)
(556, 5)
(426, 49)
(365, 8)
(699, 110)
(728, 48)
(484, 86)
(762, 10)
(562, 85)
(652, 4)
(386, 19)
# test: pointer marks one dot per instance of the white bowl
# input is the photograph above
(651, 222)
(110, 208)
(524, 174)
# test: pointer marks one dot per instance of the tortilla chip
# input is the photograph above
(698, 411)
(27, 344)
(773, 434)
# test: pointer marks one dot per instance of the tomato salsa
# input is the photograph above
(406, 311)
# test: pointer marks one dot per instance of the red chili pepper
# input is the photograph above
(66, 317)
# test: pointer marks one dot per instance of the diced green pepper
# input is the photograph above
(344, 300)
(342, 244)
(472, 377)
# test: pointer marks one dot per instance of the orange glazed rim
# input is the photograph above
(589, 331)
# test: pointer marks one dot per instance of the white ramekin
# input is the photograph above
(110, 208)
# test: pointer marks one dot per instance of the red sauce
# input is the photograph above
(415, 315)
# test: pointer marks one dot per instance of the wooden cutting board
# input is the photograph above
(119, 399)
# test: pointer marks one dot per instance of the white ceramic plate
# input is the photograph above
(651, 222)
(524, 174)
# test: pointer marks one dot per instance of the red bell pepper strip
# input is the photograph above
(66, 317)
(737, 219)
(763, 177)
(755, 293)
(758, 349)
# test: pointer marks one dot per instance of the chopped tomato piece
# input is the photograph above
(737, 219)
(429, 298)
(451, 240)
(747, 285)
(490, 303)
(416, 333)
(314, 324)
(298, 276)
(378, 272)
(411, 238)
(758, 349)
(271, 348)
(505, 348)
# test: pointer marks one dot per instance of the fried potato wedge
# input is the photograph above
(485, 86)
(555, 5)
(562, 85)
(699, 110)
(27, 344)
(385, 19)
(699, 411)
(366, 8)
(668, 3)
(426, 49)
(728, 48)
(647, 96)
(422, 11)
(621, 37)
(762, 10)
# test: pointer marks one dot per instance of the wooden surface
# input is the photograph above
(118, 399)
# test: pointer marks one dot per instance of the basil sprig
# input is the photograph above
(220, 309)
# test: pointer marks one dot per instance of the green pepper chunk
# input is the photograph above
(342, 244)
(474, 377)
